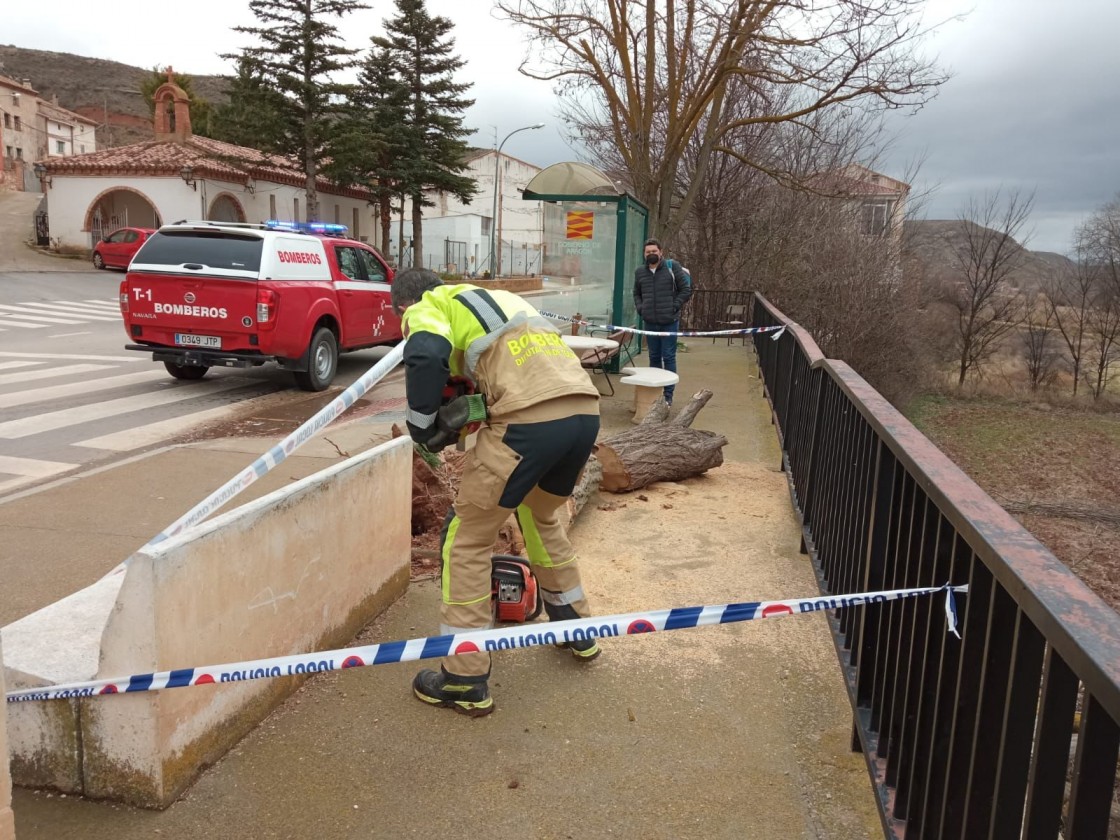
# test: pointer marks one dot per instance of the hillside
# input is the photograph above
(929, 248)
(102, 90)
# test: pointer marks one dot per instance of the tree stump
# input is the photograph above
(657, 450)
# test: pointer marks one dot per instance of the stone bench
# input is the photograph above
(649, 384)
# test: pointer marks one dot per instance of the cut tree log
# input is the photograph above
(656, 450)
(586, 487)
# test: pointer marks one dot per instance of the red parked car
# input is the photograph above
(118, 248)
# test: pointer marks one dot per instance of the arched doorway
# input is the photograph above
(119, 207)
(225, 208)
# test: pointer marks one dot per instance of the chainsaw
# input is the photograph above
(514, 594)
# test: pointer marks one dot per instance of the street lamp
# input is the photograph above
(497, 169)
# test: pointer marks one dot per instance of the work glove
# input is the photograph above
(461, 413)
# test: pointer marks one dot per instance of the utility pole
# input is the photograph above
(495, 223)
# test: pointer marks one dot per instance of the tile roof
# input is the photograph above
(60, 114)
(858, 181)
(207, 157)
(8, 81)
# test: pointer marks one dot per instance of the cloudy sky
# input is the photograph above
(1033, 104)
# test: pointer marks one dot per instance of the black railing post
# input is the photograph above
(962, 738)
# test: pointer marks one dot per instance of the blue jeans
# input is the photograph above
(663, 351)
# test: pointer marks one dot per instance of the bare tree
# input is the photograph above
(1069, 297)
(818, 267)
(987, 308)
(1040, 350)
(1103, 335)
(1099, 254)
(648, 76)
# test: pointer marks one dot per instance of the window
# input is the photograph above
(354, 232)
(875, 217)
(82, 148)
(60, 146)
(486, 223)
(212, 249)
(131, 236)
(8, 122)
(348, 262)
(272, 206)
(10, 152)
(295, 209)
(19, 153)
(374, 271)
(337, 215)
(118, 237)
(19, 124)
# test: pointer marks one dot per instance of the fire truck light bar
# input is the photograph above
(307, 227)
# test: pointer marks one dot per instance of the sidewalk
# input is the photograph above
(739, 731)
(17, 222)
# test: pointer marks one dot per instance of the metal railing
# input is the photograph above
(707, 308)
(963, 739)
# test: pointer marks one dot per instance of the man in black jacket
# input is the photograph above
(660, 291)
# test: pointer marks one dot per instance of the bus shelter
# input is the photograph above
(592, 236)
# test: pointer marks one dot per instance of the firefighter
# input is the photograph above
(540, 415)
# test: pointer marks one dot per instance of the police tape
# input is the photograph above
(779, 329)
(278, 453)
(475, 641)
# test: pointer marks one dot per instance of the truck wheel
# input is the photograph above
(322, 361)
(188, 372)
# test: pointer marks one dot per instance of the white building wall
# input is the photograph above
(453, 244)
(70, 198)
(76, 138)
(85, 138)
(520, 221)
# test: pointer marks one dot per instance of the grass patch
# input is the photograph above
(1030, 453)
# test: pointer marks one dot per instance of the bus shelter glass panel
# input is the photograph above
(631, 258)
(580, 244)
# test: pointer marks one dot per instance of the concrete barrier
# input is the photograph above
(7, 821)
(302, 569)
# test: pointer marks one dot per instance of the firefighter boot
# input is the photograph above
(466, 695)
(582, 649)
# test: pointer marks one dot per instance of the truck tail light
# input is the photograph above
(267, 301)
(124, 298)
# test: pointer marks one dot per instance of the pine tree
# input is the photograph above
(299, 51)
(253, 115)
(373, 140)
(435, 151)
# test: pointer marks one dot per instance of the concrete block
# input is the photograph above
(7, 820)
(301, 569)
(59, 643)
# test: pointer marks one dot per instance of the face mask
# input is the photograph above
(652, 259)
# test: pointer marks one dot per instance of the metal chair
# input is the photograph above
(597, 360)
(735, 316)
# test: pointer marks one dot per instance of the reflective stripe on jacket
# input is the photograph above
(515, 356)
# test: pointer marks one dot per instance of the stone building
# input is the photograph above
(180, 176)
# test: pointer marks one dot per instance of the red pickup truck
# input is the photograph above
(202, 294)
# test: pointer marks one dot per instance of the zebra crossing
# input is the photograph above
(35, 315)
(60, 412)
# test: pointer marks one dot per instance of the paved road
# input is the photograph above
(71, 396)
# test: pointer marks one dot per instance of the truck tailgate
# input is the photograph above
(175, 301)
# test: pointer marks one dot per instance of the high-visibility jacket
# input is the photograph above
(513, 354)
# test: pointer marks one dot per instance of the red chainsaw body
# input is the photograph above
(514, 593)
